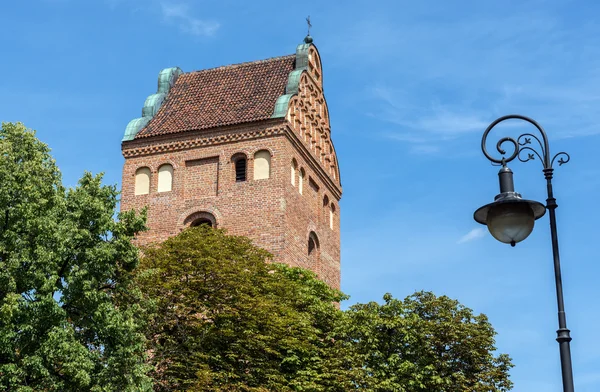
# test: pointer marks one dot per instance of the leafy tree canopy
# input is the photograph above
(65, 265)
(423, 344)
(226, 320)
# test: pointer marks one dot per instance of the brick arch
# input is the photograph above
(148, 166)
(239, 154)
(200, 215)
(154, 167)
(310, 228)
(313, 235)
(183, 219)
(166, 161)
(265, 148)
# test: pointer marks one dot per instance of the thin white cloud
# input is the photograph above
(175, 13)
(181, 15)
(443, 121)
(425, 149)
(453, 77)
(472, 235)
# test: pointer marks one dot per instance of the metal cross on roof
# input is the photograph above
(309, 25)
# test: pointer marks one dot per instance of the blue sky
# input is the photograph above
(410, 87)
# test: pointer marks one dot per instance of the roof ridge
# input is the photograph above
(236, 65)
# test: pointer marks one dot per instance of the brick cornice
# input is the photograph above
(194, 139)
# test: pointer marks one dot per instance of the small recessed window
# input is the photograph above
(293, 172)
(165, 178)
(262, 165)
(142, 181)
(331, 216)
(313, 247)
(240, 170)
(301, 180)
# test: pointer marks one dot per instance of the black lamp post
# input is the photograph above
(510, 219)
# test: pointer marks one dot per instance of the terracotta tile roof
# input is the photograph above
(226, 95)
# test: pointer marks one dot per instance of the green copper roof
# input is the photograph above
(134, 127)
(152, 104)
(281, 106)
(166, 79)
(291, 89)
(302, 56)
(293, 81)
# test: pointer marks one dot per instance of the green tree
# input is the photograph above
(67, 322)
(226, 320)
(423, 344)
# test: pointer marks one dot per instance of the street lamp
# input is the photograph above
(510, 218)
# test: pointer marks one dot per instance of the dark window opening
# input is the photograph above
(313, 184)
(202, 221)
(240, 170)
(311, 246)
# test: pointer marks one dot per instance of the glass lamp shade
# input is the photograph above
(510, 219)
(510, 222)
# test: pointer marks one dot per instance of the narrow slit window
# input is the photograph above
(301, 180)
(311, 246)
(240, 170)
(293, 173)
(331, 216)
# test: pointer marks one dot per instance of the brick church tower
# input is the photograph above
(245, 147)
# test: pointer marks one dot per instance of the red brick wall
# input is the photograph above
(269, 211)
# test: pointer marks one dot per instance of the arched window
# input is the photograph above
(142, 181)
(313, 246)
(165, 178)
(200, 218)
(262, 164)
(301, 180)
(293, 172)
(325, 209)
(331, 216)
(240, 168)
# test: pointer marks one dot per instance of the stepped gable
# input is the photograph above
(221, 96)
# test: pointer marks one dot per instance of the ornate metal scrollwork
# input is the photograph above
(522, 145)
